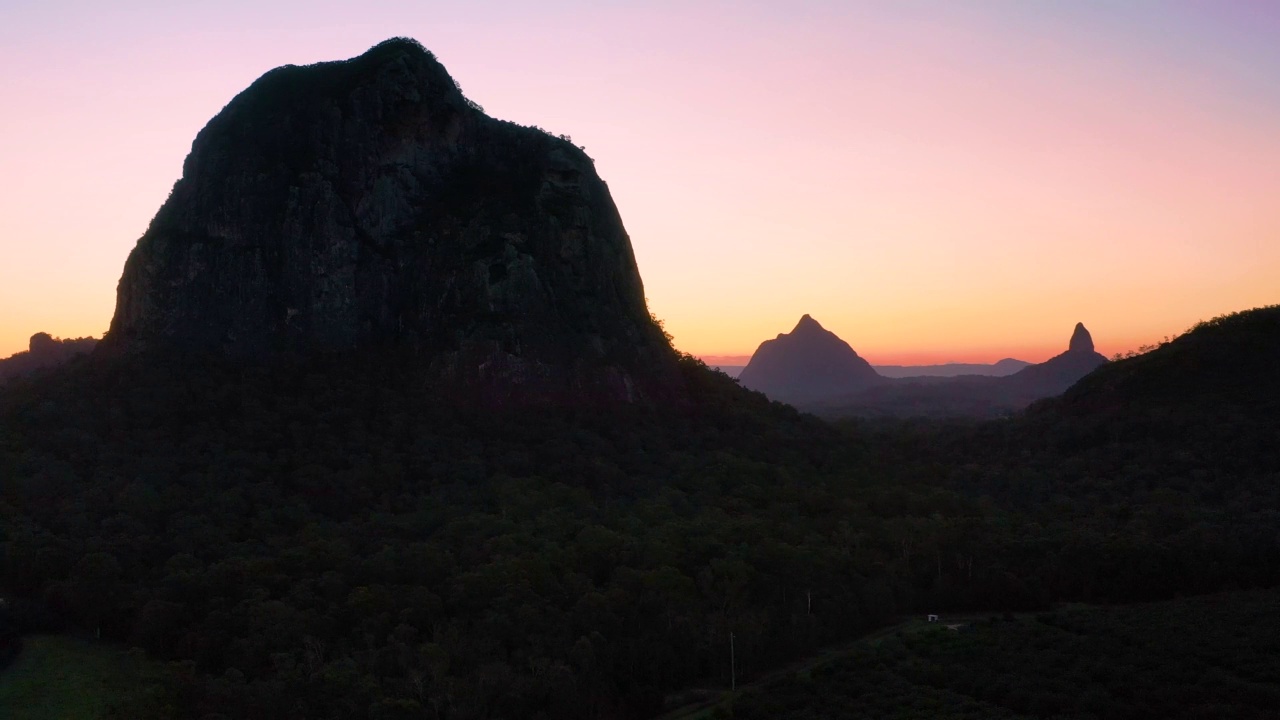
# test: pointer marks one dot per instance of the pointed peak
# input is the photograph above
(1081, 340)
(808, 323)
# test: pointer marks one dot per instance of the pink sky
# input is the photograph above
(932, 181)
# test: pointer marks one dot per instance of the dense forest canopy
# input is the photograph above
(329, 536)
(1204, 657)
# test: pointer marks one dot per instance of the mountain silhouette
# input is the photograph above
(969, 395)
(368, 203)
(1226, 365)
(1081, 340)
(1060, 372)
(43, 351)
(806, 365)
(255, 482)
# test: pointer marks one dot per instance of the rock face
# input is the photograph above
(367, 202)
(808, 364)
(1081, 340)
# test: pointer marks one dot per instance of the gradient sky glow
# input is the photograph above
(933, 181)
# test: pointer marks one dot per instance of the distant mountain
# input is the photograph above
(1060, 372)
(43, 351)
(807, 365)
(1007, 366)
(969, 395)
(1230, 365)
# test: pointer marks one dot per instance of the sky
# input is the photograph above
(932, 181)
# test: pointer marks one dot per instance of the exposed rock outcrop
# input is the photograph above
(809, 363)
(44, 351)
(1081, 340)
(367, 202)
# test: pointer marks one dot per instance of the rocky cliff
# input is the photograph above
(808, 364)
(368, 202)
(1081, 340)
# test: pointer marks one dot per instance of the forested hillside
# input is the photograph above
(330, 537)
(1205, 657)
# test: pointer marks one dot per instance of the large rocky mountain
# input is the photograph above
(369, 203)
(808, 364)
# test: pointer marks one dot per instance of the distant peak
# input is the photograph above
(1081, 340)
(808, 323)
(41, 342)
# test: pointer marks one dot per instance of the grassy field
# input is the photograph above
(59, 678)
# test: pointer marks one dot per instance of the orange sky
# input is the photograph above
(933, 181)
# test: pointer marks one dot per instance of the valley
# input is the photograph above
(383, 427)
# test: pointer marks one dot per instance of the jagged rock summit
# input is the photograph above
(807, 364)
(368, 202)
(1081, 340)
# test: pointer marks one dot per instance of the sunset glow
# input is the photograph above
(932, 181)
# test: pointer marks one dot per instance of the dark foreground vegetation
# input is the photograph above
(328, 538)
(63, 678)
(1205, 657)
